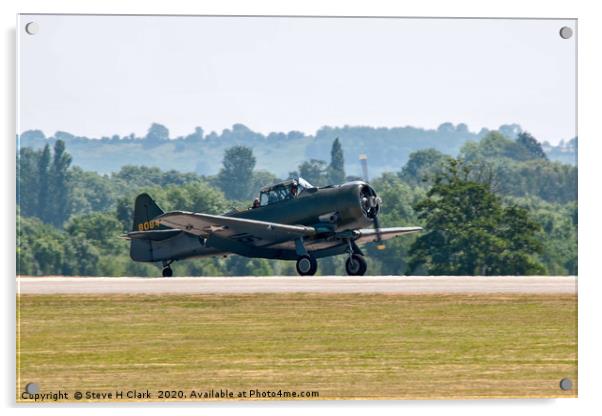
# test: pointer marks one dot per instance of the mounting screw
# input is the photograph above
(32, 28)
(32, 388)
(566, 32)
(566, 384)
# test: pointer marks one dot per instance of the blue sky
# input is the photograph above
(104, 75)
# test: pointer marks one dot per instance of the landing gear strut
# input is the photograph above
(307, 265)
(167, 271)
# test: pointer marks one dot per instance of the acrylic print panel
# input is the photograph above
(286, 208)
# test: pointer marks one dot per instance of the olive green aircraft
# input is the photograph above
(291, 220)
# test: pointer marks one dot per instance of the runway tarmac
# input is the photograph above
(290, 284)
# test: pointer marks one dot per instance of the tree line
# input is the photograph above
(201, 152)
(480, 215)
(42, 188)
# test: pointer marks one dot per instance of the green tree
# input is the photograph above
(235, 178)
(138, 176)
(314, 171)
(551, 181)
(60, 204)
(511, 131)
(43, 188)
(198, 197)
(262, 178)
(157, 133)
(522, 238)
(336, 169)
(559, 224)
(48, 254)
(44, 210)
(100, 228)
(39, 247)
(470, 232)
(496, 145)
(89, 191)
(28, 181)
(125, 213)
(532, 146)
(422, 165)
(82, 258)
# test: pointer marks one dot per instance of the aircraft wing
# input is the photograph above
(241, 229)
(368, 235)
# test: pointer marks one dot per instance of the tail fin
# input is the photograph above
(145, 212)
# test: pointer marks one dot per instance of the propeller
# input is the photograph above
(371, 204)
(379, 239)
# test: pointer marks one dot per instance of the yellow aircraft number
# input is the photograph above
(148, 225)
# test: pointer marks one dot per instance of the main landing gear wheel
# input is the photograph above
(167, 271)
(307, 265)
(355, 265)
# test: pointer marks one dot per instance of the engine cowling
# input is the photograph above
(369, 202)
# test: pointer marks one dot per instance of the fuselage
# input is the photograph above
(313, 206)
(330, 210)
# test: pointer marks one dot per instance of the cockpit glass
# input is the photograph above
(284, 191)
(263, 199)
(277, 194)
(304, 184)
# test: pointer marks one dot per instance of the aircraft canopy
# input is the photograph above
(282, 191)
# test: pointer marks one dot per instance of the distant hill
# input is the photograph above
(387, 149)
(565, 151)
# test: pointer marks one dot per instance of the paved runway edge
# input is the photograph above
(293, 284)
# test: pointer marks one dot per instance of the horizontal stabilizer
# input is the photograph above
(154, 235)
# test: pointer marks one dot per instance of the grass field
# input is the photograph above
(341, 345)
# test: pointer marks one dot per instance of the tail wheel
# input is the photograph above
(167, 272)
(307, 265)
(355, 265)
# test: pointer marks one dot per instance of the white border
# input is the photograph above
(590, 287)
